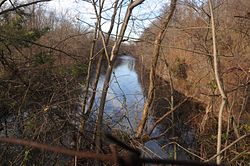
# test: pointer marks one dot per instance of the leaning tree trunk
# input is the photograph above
(99, 63)
(91, 59)
(156, 54)
(113, 56)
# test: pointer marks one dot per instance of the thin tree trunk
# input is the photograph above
(99, 63)
(171, 103)
(83, 117)
(89, 69)
(113, 56)
(219, 84)
(156, 53)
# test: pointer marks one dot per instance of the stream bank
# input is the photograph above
(125, 100)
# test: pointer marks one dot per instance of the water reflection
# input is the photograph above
(124, 104)
(125, 97)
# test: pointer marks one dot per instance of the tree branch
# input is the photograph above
(20, 6)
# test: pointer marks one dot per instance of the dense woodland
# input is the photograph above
(197, 52)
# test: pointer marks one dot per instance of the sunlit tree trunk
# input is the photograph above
(86, 91)
(91, 58)
(219, 84)
(156, 54)
(99, 63)
(114, 53)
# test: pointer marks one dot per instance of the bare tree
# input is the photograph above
(99, 63)
(219, 84)
(111, 59)
(156, 54)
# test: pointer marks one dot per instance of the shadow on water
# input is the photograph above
(125, 100)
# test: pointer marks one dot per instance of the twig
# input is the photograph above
(186, 150)
(79, 154)
(167, 114)
(22, 5)
(239, 155)
(177, 162)
(237, 140)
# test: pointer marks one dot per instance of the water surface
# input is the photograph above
(125, 96)
(124, 104)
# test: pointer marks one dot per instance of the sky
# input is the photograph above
(143, 14)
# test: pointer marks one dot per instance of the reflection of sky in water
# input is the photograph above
(125, 95)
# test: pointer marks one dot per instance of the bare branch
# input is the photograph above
(167, 114)
(156, 54)
(22, 5)
(79, 154)
(2, 3)
(230, 145)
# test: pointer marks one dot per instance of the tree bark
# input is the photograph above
(156, 54)
(91, 58)
(99, 63)
(219, 84)
(113, 56)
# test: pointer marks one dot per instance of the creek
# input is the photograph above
(124, 105)
(125, 96)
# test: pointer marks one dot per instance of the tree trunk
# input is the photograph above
(219, 84)
(99, 63)
(156, 53)
(113, 56)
